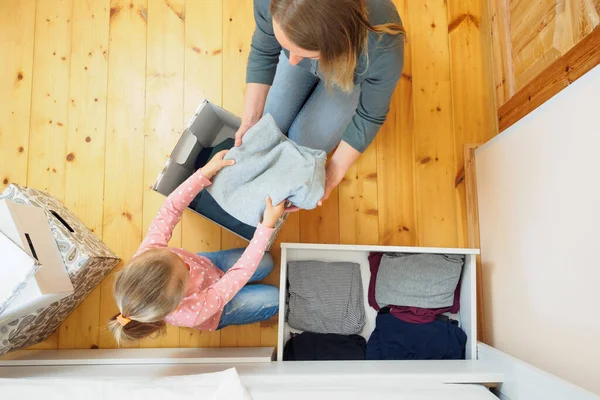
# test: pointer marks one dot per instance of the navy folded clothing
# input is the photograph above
(310, 346)
(207, 206)
(394, 339)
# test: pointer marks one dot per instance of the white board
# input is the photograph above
(539, 207)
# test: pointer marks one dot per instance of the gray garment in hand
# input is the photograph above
(268, 164)
(325, 297)
(418, 280)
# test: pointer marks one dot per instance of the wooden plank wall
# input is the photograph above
(135, 71)
(529, 37)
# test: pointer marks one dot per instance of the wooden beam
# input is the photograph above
(472, 210)
(564, 71)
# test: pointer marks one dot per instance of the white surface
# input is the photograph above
(359, 254)
(523, 381)
(224, 385)
(237, 355)
(539, 209)
(228, 385)
(383, 249)
(14, 269)
(383, 374)
(51, 282)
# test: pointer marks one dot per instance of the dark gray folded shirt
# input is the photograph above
(325, 297)
(418, 280)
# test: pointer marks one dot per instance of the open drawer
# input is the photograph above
(467, 315)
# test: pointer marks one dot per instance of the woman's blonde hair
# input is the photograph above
(146, 291)
(338, 29)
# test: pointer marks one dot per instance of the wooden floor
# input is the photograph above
(94, 95)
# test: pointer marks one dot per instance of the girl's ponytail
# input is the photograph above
(134, 330)
(146, 291)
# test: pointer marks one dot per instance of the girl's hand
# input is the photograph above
(272, 213)
(215, 165)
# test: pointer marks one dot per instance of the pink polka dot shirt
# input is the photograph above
(209, 289)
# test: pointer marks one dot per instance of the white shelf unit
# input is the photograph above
(467, 316)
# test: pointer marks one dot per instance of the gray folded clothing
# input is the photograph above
(418, 280)
(325, 297)
(268, 163)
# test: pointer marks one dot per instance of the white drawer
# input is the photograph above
(467, 316)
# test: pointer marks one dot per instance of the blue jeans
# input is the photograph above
(305, 109)
(253, 303)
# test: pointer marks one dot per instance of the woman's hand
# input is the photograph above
(272, 213)
(254, 104)
(215, 165)
(241, 132)
(344, 156)
(334, 173)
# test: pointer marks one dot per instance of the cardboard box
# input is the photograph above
(16, 269)
(210, 126)
(86, 258)
(27, 227)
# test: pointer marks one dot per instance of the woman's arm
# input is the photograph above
(373, 106)
(254, 105)
(262, 64)
(343, 157)
(169, 215)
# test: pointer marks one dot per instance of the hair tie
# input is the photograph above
(123, 320)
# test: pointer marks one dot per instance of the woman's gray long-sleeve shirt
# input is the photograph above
(378, 69)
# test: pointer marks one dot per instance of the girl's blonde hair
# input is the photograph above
(146, 291)
(338, 29)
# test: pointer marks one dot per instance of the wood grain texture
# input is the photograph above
(395, 156)
(528, 37)
(321, 225)
(50, 105)
(162, 59)
(86, 148)
(203, 53)
(17, 22)
(474, 120)
(50, 97)
(163, 116)
(238, 26)
(359, 222)
(203, 71)
(472, 210)
(434, 144)
(124, 174)
(564, 71)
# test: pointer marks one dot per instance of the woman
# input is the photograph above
(326, 71)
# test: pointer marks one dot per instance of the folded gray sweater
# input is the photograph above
(418, 280)
(325, 297)
(268, 163)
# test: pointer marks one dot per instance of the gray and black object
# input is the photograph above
(206, 205)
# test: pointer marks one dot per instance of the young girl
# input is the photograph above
(205, 291)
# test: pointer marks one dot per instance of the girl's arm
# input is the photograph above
(170, 213)
(214, 298)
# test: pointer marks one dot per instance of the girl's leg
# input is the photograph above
(322, 121)
(225, 259)
(253, 303)
(291, 87)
